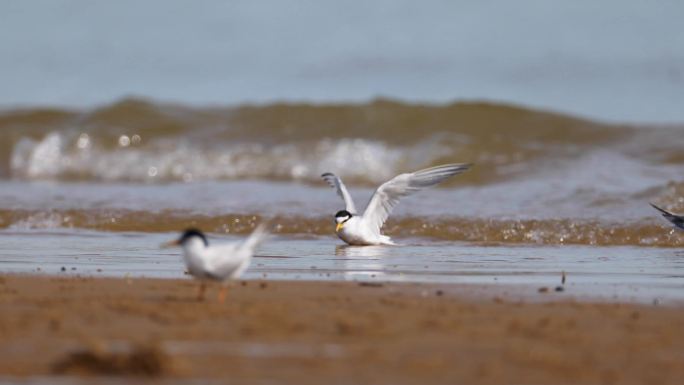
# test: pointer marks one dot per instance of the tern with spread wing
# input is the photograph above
(364, 229)
(677, 220)
(221, 262)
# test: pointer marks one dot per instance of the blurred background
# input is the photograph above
(613, 60)
(571, 111)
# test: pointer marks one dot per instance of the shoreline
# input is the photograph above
(334, 332)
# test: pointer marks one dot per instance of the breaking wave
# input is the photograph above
(539, 177)
(59, 157)
(135, 140)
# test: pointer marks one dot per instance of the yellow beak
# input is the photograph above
(339, 226)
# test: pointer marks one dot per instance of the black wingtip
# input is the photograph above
(659, 209)
(677, 220)
(462, 167)
(459, 166)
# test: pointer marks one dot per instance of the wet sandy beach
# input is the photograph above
(328, 332)
(550, 261)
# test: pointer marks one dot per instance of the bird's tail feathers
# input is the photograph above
(258, 236)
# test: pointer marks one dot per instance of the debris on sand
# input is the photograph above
(370, 284)
(139, 361)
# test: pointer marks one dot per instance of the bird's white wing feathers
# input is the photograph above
(388, 194)
(335, 182)
(223, 260)
(231, 260)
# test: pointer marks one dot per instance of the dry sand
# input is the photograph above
(329, 333)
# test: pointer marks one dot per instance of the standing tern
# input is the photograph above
(677, 220)
(217, 262)
(365, 229)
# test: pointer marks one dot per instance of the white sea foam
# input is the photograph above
(56, 157)
(42, 220)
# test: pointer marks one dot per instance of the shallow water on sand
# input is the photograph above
(101, 188)
(510, 213)
(607, 273)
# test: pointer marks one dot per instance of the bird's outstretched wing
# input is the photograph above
(677, 220)
(335, 182)
(388, 194)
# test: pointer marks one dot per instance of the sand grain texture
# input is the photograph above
(334, 333)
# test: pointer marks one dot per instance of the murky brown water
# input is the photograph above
(99, 189)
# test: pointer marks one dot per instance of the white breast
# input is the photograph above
(355, 232)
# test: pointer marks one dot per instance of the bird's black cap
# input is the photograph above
(189, 233)
(343, 213)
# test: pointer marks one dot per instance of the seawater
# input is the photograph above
(100, 188)
(514, 212)
(627, 273)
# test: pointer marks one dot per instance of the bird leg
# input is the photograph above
(222, 293)
(200, 291)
